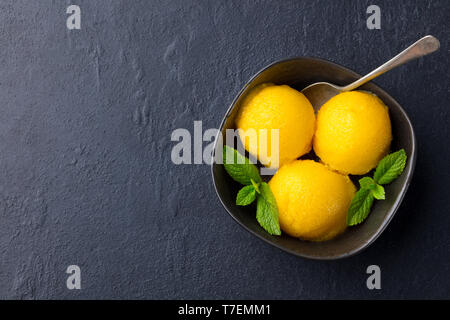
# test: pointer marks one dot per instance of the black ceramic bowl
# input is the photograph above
(299, 73)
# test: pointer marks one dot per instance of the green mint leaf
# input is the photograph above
(360, 206)
(246, 196)
(390, 167)
(256, 185)
(267, 210)
(367, 183)
(378, 192)
(239, 167)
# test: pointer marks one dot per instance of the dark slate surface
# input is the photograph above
(85, 124)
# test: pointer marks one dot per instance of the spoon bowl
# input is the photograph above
(320, 92)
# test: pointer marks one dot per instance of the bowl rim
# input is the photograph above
(391, 212)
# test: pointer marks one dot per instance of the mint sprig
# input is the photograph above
(370, 184)
(239, 167)
(360, 206)
(243, 171)
(378, 192)
(246, 195)
(388, 169)
(267, 210)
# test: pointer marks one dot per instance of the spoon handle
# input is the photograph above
(422, 47)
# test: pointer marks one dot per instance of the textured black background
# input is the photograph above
(85, 124)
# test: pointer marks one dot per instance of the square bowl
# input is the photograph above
(299, 73)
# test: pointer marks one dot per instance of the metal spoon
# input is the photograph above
(320, 92)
